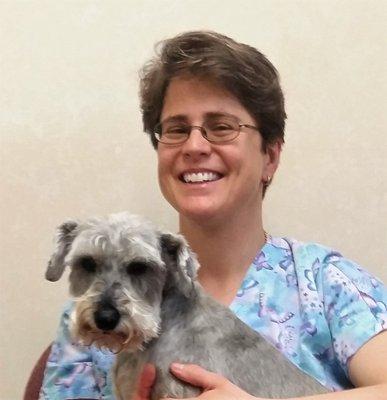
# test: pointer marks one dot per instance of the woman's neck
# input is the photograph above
(225, 251)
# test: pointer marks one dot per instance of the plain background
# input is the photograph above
(72, 143)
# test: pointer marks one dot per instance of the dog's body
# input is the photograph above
(201, 331)
(136, 291)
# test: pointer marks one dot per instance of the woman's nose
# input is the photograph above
(196, 144)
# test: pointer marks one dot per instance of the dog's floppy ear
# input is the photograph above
(65, 234)
(180, 261)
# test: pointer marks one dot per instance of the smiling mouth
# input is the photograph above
(200, 177)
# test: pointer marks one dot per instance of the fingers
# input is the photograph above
(197, 376)
(145, 383)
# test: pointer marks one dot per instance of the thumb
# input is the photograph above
(196, 376)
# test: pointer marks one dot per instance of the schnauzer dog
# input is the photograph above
(136, 293)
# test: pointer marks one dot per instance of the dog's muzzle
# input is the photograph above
(106, 317)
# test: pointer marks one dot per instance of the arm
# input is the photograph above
(365, 301)
(70, 373)
(368, 371)
(369, 365)
(355, 312)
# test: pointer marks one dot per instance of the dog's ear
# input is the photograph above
(65, 234)
(180, 261)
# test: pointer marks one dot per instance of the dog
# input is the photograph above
(136, 293)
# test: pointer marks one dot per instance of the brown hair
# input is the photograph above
(241, 69)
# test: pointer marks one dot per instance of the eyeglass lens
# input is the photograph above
(220, 129)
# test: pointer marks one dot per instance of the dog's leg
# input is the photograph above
(126, 373)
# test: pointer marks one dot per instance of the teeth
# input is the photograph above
(200, 177)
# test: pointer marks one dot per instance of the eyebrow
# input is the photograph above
(207, 115)
(176, 118)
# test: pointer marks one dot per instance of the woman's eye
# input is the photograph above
(220, 130)
(88, 264)
(221, 127)
(178, 129)
(136, 268)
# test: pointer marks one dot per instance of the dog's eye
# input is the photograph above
(136, 268)
(87, 263)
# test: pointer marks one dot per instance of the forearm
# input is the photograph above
(376, 392)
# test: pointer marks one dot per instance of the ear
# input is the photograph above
(272, 158)
(180, 261)
(65, 234)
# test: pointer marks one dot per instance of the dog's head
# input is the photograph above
(120, 266)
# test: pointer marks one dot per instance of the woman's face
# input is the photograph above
(233, 171)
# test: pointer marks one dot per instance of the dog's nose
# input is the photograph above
(106, 317)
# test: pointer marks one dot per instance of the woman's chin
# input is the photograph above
(200, 213)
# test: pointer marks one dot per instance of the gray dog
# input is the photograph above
(136, 293)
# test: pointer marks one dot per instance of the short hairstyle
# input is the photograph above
(239, 68)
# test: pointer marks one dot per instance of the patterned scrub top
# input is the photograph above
(313, 305)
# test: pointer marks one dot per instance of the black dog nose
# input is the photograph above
(106, 317)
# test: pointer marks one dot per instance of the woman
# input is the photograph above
(215, 113)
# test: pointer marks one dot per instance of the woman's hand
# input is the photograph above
(215, 387)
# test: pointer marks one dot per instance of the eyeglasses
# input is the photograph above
(215, 130)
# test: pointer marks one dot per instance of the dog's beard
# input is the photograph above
(137, 325)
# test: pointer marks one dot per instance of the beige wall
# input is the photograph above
(71, 141)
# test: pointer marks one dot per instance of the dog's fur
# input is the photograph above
(136, 293)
